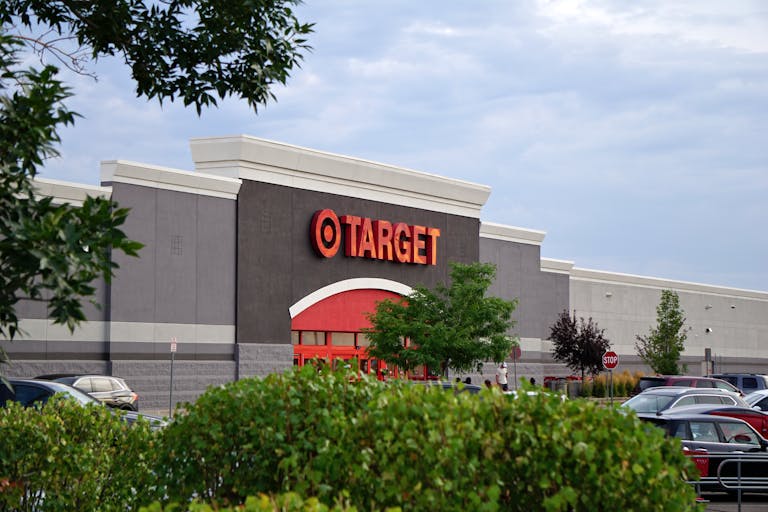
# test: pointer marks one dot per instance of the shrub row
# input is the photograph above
(367, 444)
(69, 457)
(623, 384)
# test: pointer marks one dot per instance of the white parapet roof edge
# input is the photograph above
(556, 266)
(251, 158)
(511, 233)
(153, 176)
(65, 192)
(583, 274)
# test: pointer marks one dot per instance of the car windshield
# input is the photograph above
(649, 383)
(71, 392)
(648, 403)
(753, 398)
(66, 380)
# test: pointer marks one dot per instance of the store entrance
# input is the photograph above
(329, 331)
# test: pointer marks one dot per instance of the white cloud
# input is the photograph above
(630, 132)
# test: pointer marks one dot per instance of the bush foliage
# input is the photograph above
(405, 445)
(333, 438)
(65, 457)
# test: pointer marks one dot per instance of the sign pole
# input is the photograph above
(610, 377)
(514, 363)
(610, 361)
(170, 388)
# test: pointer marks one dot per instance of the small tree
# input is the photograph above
(454, 326)
(194, 51)
(662, 347)
(579, 345)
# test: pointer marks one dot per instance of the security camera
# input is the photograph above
(708, 330)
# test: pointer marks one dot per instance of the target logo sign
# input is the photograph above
(373, 239)
(326, 233)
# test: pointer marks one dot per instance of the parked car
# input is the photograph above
(113, 391)
(659, 399)
(36, 392)
(683, 380)
(456, 387)
(746, 382)
(758, 400)
(719, 439)
(757, 419)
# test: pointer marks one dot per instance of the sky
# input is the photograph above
(635, 134)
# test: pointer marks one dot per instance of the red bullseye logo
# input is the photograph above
(326, 233)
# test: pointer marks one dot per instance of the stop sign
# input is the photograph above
(610, 360)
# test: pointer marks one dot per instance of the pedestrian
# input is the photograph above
(533, 381)
(468, 380)
(501, 376)
(488, 383)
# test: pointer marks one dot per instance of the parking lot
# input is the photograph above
(721, 502)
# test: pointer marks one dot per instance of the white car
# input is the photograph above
(758, 400)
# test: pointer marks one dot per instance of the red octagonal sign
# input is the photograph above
(610, 360)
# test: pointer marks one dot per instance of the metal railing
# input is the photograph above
(746, 472)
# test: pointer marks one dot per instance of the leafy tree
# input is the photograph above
(454, 326)
(191, 49)
(662, 347)
(580, 345)
(194, 50)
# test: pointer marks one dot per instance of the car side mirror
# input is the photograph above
(757, 408)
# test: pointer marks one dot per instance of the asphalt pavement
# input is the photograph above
(725, 503)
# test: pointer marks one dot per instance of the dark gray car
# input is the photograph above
(730, 447)
(32, 392)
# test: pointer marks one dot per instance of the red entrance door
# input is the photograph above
(330, 330)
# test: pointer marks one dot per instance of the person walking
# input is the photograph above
(501, 376)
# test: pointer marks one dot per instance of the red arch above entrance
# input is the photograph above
(343, 312)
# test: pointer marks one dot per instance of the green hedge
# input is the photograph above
(67, 457)
(405, 445)
(287, 502)
(360, 444)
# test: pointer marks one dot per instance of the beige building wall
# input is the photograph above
(733, 323)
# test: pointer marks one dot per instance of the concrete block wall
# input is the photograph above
(261, 359)
(152, 379)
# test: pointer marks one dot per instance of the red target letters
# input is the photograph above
(373, 239)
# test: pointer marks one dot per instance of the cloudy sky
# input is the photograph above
(635, 134)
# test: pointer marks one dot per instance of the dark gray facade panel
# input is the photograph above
(176, 257)
(277, 265)
(38, 309)
(186, 271)
(132, 294)
(216, 261)
(54, 349)
(24, 349)
(32, 309)
(264, 267)
(35, 367)
(541, 295)
(160, 351)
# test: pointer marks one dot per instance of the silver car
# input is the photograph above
(659, 399)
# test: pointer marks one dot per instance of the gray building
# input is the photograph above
(268, 254)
